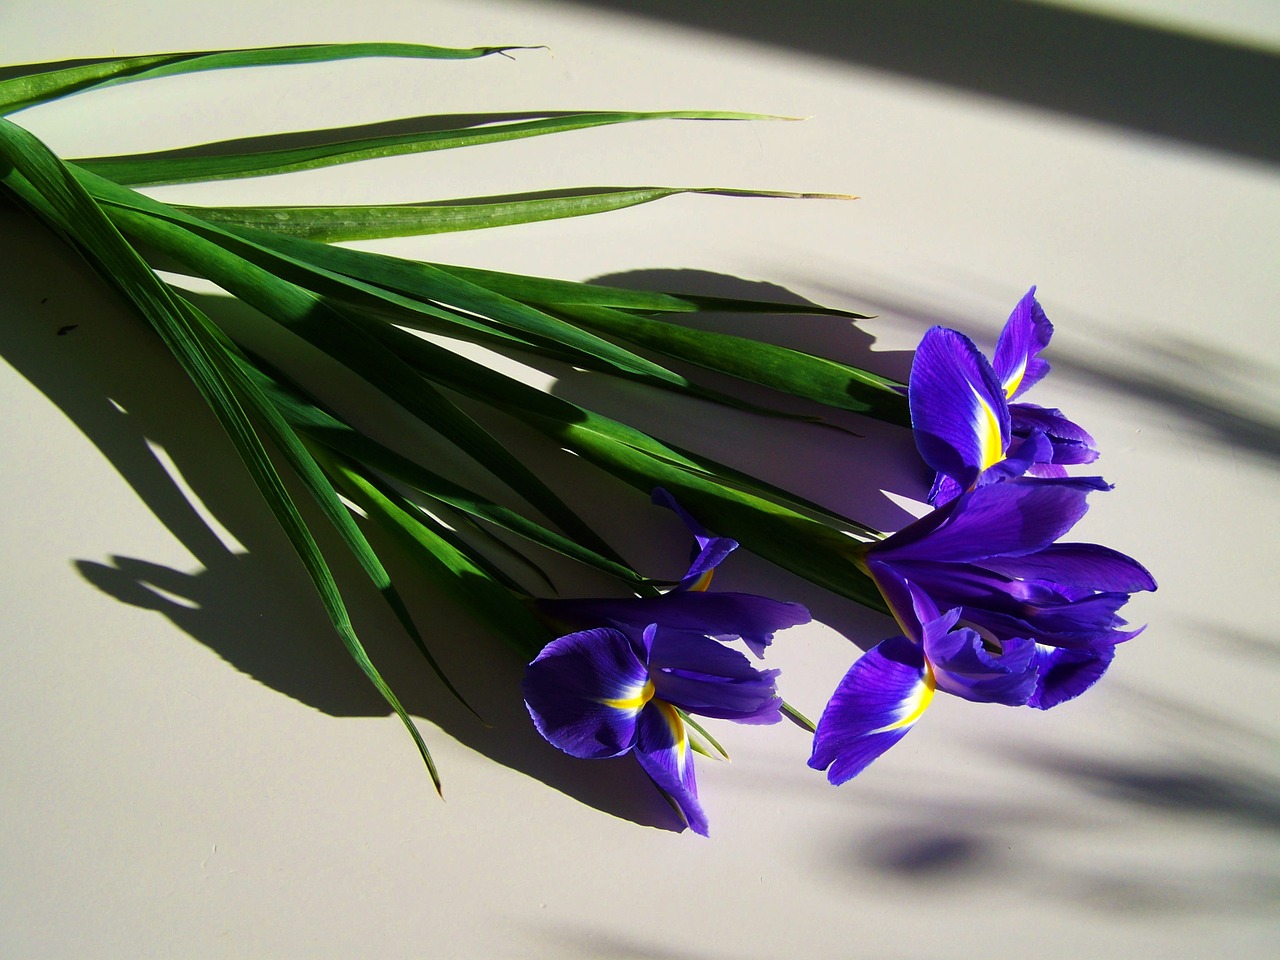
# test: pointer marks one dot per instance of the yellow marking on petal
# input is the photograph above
(678, 733)
(923, 696)
(635, 701)
(703, 581)
(1015, 380)
(990, 442)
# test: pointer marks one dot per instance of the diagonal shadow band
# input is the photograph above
(1175, 84)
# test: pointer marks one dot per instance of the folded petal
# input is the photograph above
(1025, 334)
(585, 690)
(1070, 442)
(1065, 674)
(958, 411)
(662, 747)
(711, 550)
(874, 706)
(703, 677)
(964, 666)
(1077, 564)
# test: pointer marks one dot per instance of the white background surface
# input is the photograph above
(192, 769)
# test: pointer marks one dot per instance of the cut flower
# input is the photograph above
(620, 686)
(966, 426)
(607, 692)
(992, 609)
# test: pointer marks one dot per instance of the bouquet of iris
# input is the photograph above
(990, 604)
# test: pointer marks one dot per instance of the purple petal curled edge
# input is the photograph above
(584, 692)
(1070, 443)
(874, 706)
(662, 747)
(706, 678)
(723, 615)
(965, 668)
(1025, 334)
(958, 411)
(1065, 674)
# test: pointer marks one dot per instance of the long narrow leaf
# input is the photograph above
(800, 374)
(466, 581)
(323, 427)
(224, 162)
(390, 283)
(39, 83)
(339, 223)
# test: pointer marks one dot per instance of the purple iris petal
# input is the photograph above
(1004, 519)
(1070, 443)
(990, 555)
(662, 747)
(1065, 674)
(585, 690)
(722, 615)
(874, 706)
(1025, 334)
(958, 411)
(964, 667)
(711, 549)
(701, 676)
(1079, 564)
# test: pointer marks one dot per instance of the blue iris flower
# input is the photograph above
(968, 427)
(992, 609)
(623, 684)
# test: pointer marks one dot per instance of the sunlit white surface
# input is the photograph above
(196, 770)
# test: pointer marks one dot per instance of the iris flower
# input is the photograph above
(967, 427)
(608, 691)
(623, 684)
(992, 609)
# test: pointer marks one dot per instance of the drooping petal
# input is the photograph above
(958, 411)
(878, 701)
(704, 677)
(724, 615)
(585, 690)
(1065, 674)
(1000, 519)
(1025, 334)
(711, 549)
(662, 747)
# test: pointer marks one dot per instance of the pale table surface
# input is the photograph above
(191, 767)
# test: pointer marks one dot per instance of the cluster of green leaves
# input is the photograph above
(363, 309)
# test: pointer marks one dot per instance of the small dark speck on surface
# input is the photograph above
(63, 331)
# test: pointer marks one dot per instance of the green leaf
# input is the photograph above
(39, 83)
(223, 161)
(416, 293)
(556, 293)
(322, 427)
(763, 518)
(465, 580)
(341, 335)
(40, 180)
(791, 371)
(340, 223)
